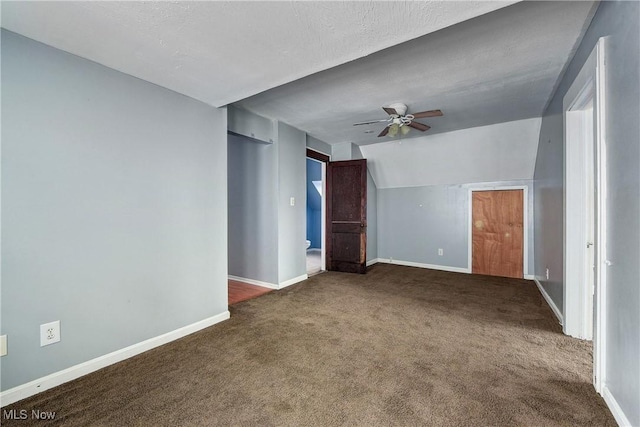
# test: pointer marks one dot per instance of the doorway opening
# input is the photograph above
(585, 209)
(316, 212)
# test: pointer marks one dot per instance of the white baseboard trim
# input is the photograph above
(293, 281)
(373, 261)
(529, 277)
(549, 301)
(429, 266)
(270, 285)
(254, 282)
(615, 409)
(31, 388)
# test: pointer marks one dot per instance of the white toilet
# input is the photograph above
(308, 243)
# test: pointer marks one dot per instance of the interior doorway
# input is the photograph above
(579, 257)
(315, 245)
(585, 261)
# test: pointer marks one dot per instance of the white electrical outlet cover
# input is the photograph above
(3, 345)
(49, 333)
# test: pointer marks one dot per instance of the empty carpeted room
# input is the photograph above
(476, 213)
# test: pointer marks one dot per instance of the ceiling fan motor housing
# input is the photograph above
(400, 108)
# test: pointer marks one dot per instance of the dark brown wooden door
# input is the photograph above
(497, 236)
(347, 216)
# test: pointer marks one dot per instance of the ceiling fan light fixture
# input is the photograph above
(401, 122)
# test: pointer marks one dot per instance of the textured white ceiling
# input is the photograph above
(495, 68)
(220, 52)
(498, 152)
(322, 66)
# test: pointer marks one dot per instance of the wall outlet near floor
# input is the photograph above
(547, 273)
(49, 333)
(3, 345)
(440, 251)
(292, 201)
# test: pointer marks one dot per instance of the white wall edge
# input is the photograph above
(549, 301)
(39, 385)
(254, 282)
(293, 281)
(421, 265)
(373, 261)
(615, 409)
(529, 277)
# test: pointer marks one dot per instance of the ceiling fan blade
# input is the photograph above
(419, 126)
(384, 132)
(371, 122)
(430, 113)
(390, 111)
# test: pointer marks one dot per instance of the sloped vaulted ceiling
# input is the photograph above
(498, 152)
(495, 68)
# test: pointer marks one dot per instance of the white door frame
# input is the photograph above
(588, 87)
(525, 224)
(323, 220)
(323, 210)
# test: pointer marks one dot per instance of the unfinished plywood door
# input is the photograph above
(497, 236)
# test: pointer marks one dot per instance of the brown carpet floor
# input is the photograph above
(397, 346)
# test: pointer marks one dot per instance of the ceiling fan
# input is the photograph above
(400, 121)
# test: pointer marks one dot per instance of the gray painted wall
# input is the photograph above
(245, 123)
(341, 151)
(620, 21)
(114, 209)
(355, 152)
(253, 212)
(317, 145)
(267, 235)
(292, 236)
(548, 207)
(414, 222)
(372, 218)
